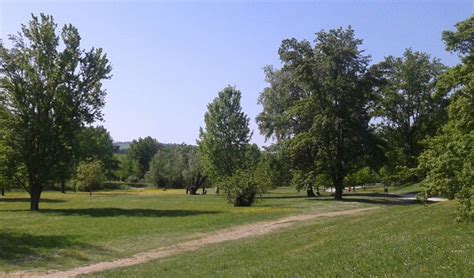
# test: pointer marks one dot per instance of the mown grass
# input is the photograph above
(394, 241)
(74, 229)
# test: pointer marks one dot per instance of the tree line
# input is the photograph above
(334, 116)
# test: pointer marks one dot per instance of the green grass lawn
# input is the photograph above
(75, 229)
(395, 241)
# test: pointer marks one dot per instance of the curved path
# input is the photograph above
(229, 234)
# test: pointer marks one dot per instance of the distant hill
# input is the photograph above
(124, 146)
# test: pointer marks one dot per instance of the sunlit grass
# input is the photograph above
(395, 241)
(74, 229)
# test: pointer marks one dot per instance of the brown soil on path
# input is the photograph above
(228, 234)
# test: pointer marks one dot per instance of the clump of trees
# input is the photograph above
(177, 166)
(142, 151)
(336, 121)
(409, 109)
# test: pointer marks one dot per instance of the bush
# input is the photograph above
(465, 211)
(90, 175)
(243, 187)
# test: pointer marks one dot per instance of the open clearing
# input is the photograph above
(81, 234)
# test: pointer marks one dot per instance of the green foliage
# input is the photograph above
(465, 210)
(90, 174)
(127, 168)
(50, 88)
(318, 104)
(175, 165)
(244, 185)
(142, 151)
(408, 106)
(224, 142)
(278, 164)
(96, 143)
(449, 157)
(361, 177)
(302, 179)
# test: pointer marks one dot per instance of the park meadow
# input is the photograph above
(368, 169)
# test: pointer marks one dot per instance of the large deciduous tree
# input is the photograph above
(50, 88)
(318, 104)
(449, 158)
(409, 108)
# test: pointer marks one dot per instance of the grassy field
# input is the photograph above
(75, 229)
(396, 241)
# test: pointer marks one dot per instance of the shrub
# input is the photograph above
(243, 187)
(90, 174)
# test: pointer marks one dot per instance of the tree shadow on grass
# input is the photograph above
(27, 200)
(284, 197)
(111, 212)
(31, 250)
(374, 194)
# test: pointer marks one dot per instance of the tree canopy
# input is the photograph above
(408, 106)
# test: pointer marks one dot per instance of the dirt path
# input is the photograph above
(229, 234)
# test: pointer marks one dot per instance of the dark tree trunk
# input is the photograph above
(310, 192)
(35, 196)
(197, 183)
(339, 186)
(3, 191)
(338, 194)
(63, 186)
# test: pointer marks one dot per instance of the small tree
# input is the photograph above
(90, 174)
(224, 142)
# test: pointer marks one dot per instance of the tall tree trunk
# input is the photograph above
(338, 182)
(3, 191)
(35, 196)
(338, 194)
(63, 186)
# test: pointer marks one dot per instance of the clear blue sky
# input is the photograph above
(171, 58)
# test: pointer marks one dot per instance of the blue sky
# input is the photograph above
(171, 58)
